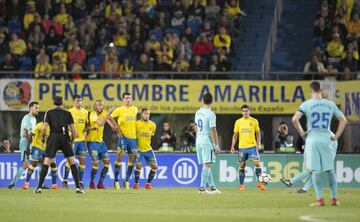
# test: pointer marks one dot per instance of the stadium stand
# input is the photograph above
(76, 35)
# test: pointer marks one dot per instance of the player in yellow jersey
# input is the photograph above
(247, 130)
(96, 146)
(145, 129)
(80, 116)
(38, 156)
(126, 120)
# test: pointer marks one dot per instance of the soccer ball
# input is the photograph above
(264, 178)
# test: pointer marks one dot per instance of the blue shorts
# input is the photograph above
(37, 154)
(205, 154)
(80, 148)
(148, 156)
(128, 145)
(98, 151)
(22, 145)
(248, 153)
(320, 152)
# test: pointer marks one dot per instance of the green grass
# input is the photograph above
(173, 205)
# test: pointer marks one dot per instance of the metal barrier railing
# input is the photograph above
(266, 66)
(236, 75)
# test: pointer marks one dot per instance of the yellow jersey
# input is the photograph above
(246, 129)
(126, 118)
(95, 135)
(80, 117)
(144, 131)
(36, 141)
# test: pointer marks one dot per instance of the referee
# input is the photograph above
(59, 121)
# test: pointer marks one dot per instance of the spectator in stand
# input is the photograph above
(178, 14)
(4, 45)
(214, 62)
(5, 145)
(350, 62)
(342, 27)
(29, 15)
(189, 35)
(346, 74)
(61, 54)
(121, 38)
(166, 53)
(77, 54)
(208, 31)
(9, 64)
(314, 66)
(167, 138)
(87, 27)
(335, 49)
(62, 17)
(91, 68)
(197, 66)
(202, 47)
(17, 45)
(144, 65)
(76, 72)
(350, 48)
(113, 8)
(59, 69)
(196, 11)
(42, 53)
(127, 69)
(43, 68)
(354, 24)
(34, 48)
(224, 63)
(233, 11)
(111, 67)
(51, 41)
(52, 23)
(36, 31)
(87, 44)
(222, 39)
(181, 65)
(212, 12)
(184, 47)
(162, 66)
(321, 31)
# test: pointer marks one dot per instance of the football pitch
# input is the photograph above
(174, 205)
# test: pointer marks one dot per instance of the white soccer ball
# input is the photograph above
(264, 178)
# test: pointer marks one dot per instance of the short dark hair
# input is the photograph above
(5, 138)
(77, 97)
(208, 98)
(245, 106)
(315, 85)
(144, 109)
(33, 103)
(58, 100)
(126, 94)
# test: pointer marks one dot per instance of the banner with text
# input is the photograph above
(182, 170)
(348, 97)
(179, 96)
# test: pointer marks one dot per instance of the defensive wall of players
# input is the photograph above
(182, 170)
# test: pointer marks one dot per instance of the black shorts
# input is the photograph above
(59, 142)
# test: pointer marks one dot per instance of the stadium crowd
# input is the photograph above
(115, 38)
(336, 39)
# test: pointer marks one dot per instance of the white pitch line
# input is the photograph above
(310, 218)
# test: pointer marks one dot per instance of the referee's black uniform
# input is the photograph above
(59, 139)
(59, 120)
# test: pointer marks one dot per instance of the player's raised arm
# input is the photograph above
(296, 122)
(341, 127)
